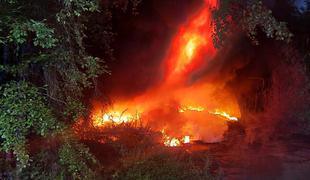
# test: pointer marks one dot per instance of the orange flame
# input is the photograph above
(216, 112)
(193, 41)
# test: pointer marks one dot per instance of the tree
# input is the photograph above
(247, 16)
(46, 69)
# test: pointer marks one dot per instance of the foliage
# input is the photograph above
(76, 160)
(22, 110)
(247, 16)
(43, 166)
(44, 36)
(62, 157)
(57, 43)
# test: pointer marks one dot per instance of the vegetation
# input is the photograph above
(140, 154)
(22, 111)
(162, 165)
(44, 71)
(247, 16)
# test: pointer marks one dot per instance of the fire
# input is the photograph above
(186, 140)
(187, 109)
(173, 141)
(104, 119)
(120, 117)
(225, 115)
(216, 112)
(191, 108)
(101, 119)
(190, 48)
(192, 41)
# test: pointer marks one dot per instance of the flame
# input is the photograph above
(113, 117)
(173, 141)
(201, 109)
(102, 117)
(186, 140)
(191, 108)
(119, 117)
(225, 115)
(190, 48)
(193, 41)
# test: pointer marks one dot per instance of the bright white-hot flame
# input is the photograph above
(186, 140)
(173, 141)
(114, 117)
(190, 48)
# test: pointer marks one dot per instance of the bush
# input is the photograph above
(161, 163)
